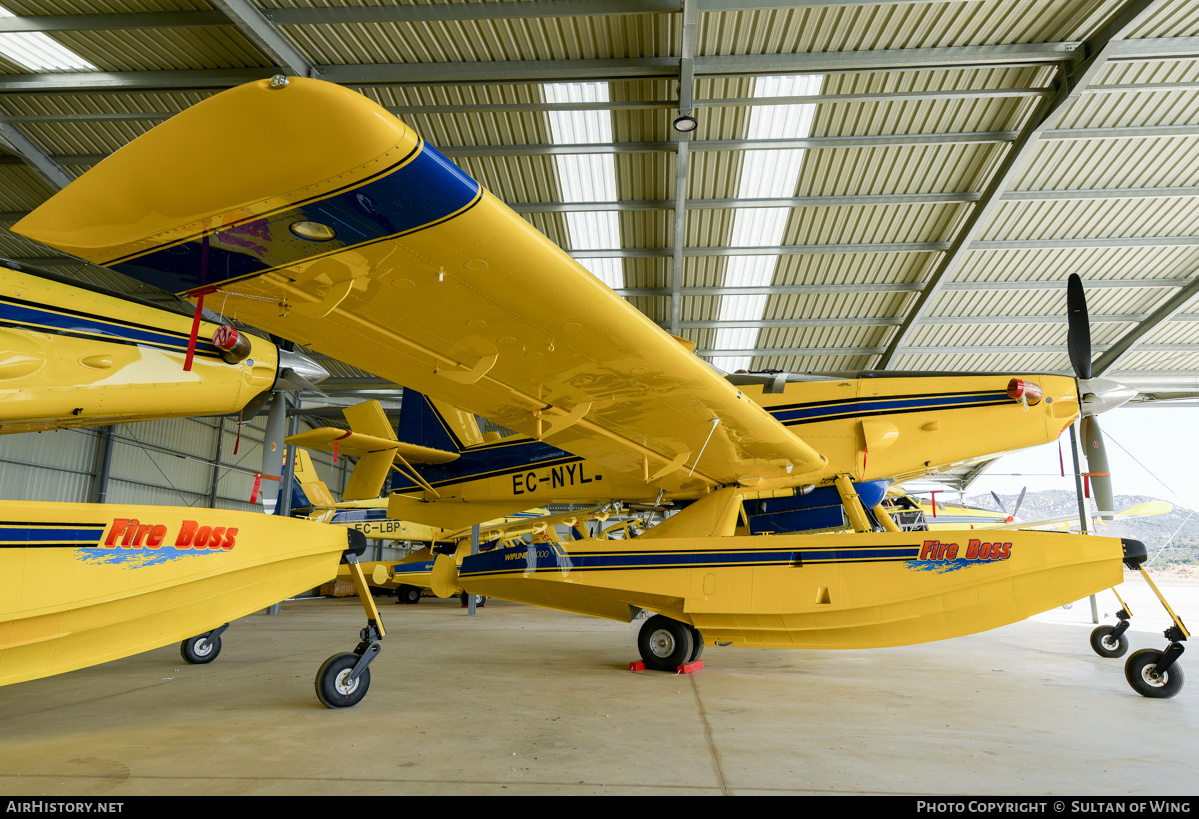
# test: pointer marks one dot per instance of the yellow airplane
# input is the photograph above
(312, 500)
(373, 442)
(379, 252)
(87, 583)
(76, 356)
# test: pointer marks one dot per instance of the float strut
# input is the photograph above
(1176, 633)
(369, 648)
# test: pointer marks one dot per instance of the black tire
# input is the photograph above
(665, 644)
(331, 690)
(1105, 646)
(408, 594)
(480, 600)
(1139, 673)
(697, 640)
(198, 650)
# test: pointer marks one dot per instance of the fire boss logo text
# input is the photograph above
(975, 550)
(130, 533)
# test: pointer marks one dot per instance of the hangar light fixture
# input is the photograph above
(38, 52)
(587, 177)
(685, 123)
(764, 174)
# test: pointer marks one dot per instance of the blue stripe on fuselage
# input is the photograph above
(792, 415)
(488, 461)
(53, 320)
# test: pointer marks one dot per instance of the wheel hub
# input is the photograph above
(344, 686)
(661, 642)
(1153, 678)
(203, 648)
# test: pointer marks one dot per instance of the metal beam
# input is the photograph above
(892, 247)
(259, 30)
(809, 201)
(1125, 344)
(413, 14)
(682, 154)
(1097, 49)
(504, 71)
(103, 465)
(908, 199)
(894, 321)
(809, 143)
(774, 250)
(608, 105)
(15, 140)
(898, 287)
(1004, 349)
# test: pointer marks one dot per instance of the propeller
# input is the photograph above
(272, 450)
(1097, 395)
(296, 372)
(1015, 510)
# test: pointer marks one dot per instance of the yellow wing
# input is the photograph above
(382, 254)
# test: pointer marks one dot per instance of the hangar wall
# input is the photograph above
(173, 462)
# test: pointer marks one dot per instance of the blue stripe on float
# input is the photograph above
(414, 195)
(547, 557)
(20, 534)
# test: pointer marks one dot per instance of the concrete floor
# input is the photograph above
(526, 701)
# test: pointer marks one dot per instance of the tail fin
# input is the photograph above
(430, 423)
(312, 490)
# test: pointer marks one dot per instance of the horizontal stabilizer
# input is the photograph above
(1145, 509)
(358, 444)
(450, 514)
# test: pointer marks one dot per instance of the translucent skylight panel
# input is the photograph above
(764, 174)
(587, 177)
(38, 52)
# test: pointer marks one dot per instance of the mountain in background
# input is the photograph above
(1171, 539)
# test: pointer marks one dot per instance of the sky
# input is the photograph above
(1151, 450)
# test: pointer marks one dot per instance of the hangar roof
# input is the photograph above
(871, 184)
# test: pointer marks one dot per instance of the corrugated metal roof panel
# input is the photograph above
(149, 49)
(1112, 163)
(916, 25)
(1057, 265)
(1092, 219)
(546, 38)
(21, 189)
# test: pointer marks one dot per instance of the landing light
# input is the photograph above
(313, 231)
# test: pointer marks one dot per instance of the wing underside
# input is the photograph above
(429, 281)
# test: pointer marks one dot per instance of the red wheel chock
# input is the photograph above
(687, 668)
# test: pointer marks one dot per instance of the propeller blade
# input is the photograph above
(998, 503)
(273, 449)
(1078, 337)
(1019, 501)
(1097, 467)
